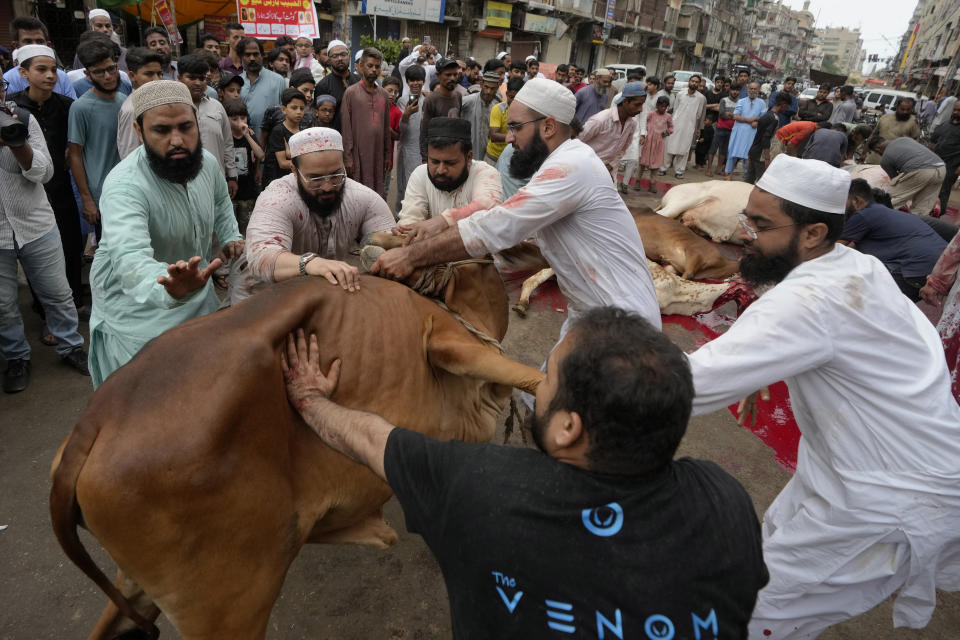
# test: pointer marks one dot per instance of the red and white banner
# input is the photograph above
(269, 19)
(166, 17)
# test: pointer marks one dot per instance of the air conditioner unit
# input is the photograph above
(479, 24)
(507, 36)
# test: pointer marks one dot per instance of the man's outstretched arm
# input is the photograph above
(360, 436)
(398, 264)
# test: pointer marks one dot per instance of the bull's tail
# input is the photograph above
(66, 517)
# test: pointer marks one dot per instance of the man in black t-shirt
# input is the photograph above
(605, 536)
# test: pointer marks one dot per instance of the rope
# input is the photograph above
(429, 286)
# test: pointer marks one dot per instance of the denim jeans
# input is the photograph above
(42, 261)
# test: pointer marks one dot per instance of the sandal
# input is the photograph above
(47, 338)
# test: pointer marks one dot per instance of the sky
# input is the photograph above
(877, 19)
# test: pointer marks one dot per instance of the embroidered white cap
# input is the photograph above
(809, 183)
(315, 139)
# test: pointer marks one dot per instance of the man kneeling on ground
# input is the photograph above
(606, 531)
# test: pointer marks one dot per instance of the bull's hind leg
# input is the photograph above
(112, 624)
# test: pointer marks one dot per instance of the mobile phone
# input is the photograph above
(427, 40)
(414, 98)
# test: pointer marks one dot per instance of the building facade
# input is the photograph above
(841, 50)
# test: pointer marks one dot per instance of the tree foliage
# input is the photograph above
(389, 47)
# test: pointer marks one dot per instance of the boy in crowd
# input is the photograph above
(38, 65)
(212, 121)
(301, 80)
(721, 136)
(92, 130)
(229, 86)
(145, 66)
(326, 110)
(247, 156)
(277, 163)
(392, 86)
(704, 141)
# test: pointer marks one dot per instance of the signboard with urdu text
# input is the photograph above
(269, 19)
(425, 10)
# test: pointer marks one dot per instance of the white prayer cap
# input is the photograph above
(159, 93)
(549, 98)
(356, 58)
(28, 51)
(98, 13)
(602, 72)
(306, 35)
(809, 183)
(336, 43)
(529, 58)
(15, 56)
(501, 55)
(315, 139)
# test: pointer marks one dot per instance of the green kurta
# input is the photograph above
(148, 224)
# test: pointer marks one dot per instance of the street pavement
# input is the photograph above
(335, 592)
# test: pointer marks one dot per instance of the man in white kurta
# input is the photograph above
(609, 132)
(688, 113)
(874, 506)
(570, 207)
(451, 183)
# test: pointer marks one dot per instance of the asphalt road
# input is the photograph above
(333, 592)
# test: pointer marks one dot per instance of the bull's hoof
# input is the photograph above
(369, 255)
(521, 309)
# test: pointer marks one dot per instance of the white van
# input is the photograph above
(873, 98)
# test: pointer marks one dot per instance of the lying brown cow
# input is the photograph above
(670, 242)
(203, 487)
(665, 241)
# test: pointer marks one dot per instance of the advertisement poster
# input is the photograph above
(498, 14)
(425, 10)
(268, 19)
(166, 18)
(217, 26)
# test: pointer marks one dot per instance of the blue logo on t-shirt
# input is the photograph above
(604, 521)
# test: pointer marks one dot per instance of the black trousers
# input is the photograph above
(947, 186)
(755, 166)
(68, 223)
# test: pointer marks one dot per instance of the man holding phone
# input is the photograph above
(408, 155)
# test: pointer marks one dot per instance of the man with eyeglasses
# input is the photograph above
(570, 206)
(92, 128)
(874, 506)
(306, 222)
(161, 206)
(337, 82)
(101, 22)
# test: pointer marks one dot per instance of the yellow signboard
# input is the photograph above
(498, 14)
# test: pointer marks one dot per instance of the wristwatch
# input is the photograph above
(304, 259)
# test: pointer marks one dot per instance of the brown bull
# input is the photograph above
(203, 487)
(668, 241)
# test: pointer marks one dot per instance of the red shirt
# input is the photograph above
(577, 87)
(395, 114)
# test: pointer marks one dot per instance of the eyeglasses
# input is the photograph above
(334, 180)
(752, 233)
(514, 127)
(99, 73)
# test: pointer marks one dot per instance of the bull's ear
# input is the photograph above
(452, 348)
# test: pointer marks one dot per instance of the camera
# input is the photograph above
(13, 132)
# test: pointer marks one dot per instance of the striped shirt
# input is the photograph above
(25, 212)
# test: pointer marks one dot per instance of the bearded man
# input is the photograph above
(160, 208)
(305, 223)
(595, 97)
(874, 505)
(899, 124)
(570, 206)
(451, 185)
